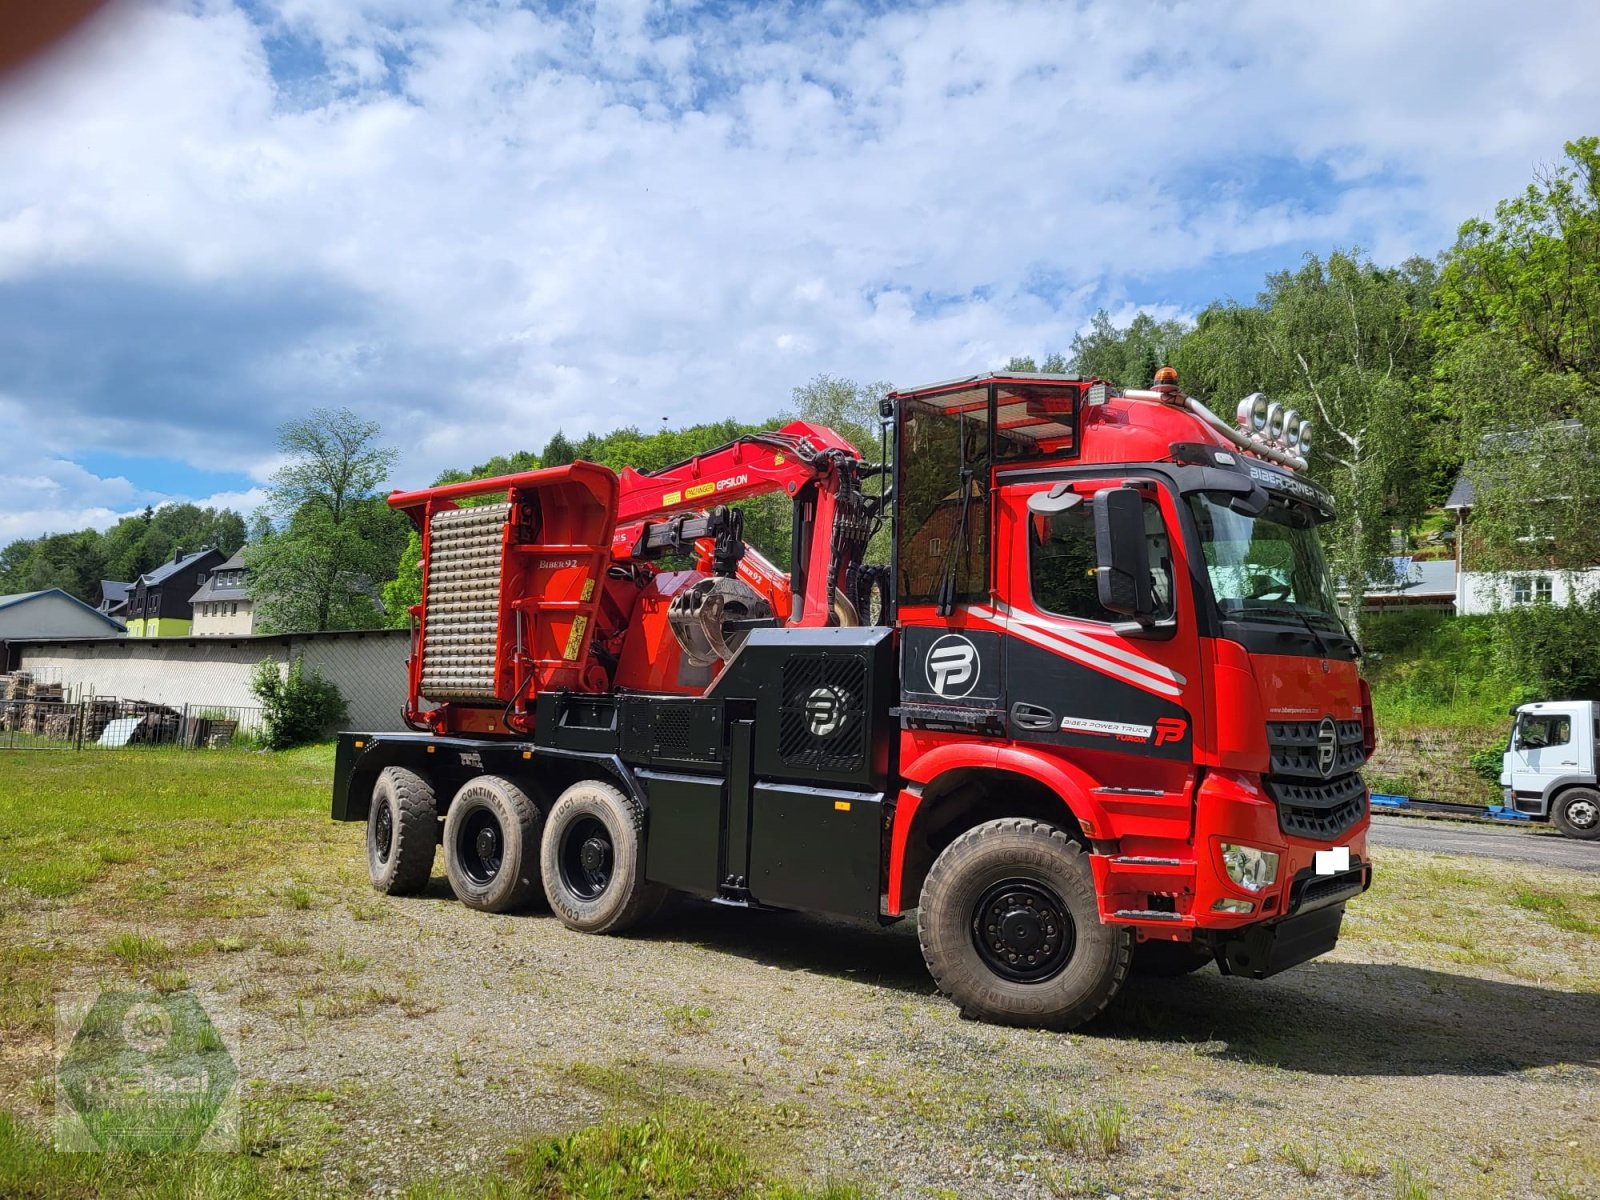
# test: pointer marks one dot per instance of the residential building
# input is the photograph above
(158, 603)
(223, 607)
(1427, 584)
(51, 613)
(1539, 580)
(114, 598)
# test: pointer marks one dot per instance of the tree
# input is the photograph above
(1126, 357)
(334, 539)
(558, 451)
(1339, 341)
(1055, 363)
(76, 562)
(1517, 391)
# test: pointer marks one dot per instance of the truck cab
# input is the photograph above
(1548, 770)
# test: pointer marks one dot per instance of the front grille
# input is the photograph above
(1295, 750)
(1321, 811)
(1322, 890)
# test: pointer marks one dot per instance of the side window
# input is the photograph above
(1541, 733)
(944, 524)
(1061, 563)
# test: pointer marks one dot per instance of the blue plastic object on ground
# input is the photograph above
(1380, 800)
(1502, 813)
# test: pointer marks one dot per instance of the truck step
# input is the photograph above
(1140, 860)
(1149, 914)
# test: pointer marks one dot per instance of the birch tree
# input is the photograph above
(1341, 342)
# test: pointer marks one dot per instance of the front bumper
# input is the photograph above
(1172, 892)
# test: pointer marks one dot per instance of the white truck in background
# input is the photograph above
(1549, 770)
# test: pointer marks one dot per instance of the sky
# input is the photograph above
(479, 223)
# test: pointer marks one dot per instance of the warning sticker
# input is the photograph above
(575, 638)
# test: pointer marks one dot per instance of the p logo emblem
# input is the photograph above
(952, 666)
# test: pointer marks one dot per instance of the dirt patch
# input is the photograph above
(1430, 764)
(388, 1040)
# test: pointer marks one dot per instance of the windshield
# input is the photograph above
(1265, 568)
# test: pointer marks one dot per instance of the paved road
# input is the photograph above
(1487, 840)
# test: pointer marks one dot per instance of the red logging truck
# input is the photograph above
(1098, 712)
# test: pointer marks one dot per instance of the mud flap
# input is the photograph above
(1264, 950)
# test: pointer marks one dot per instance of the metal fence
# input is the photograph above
(106, 722)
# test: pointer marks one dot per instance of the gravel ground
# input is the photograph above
(391, 1039)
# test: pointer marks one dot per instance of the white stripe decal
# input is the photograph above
(1082, 655)
(1094, 645)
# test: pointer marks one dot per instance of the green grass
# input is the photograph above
(1429, 671)
(670, 1155)
(194, 841)
(1554, 909)
(1096, 1131)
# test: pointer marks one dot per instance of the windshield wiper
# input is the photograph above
(947, 585)
(1299, 614)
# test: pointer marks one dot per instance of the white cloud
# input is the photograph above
(478, 223)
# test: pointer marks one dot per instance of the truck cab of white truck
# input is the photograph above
(1549, 766)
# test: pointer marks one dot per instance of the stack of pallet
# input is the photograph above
(98, 712)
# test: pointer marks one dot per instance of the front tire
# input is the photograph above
(490, 836)
(1577, 813)
(402, 832)
(1010, 928)
(592, 859)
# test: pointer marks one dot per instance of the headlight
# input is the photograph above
(1248, 867)
(1291, 429)
(1252, 412)
(1275, 415)
(1305, 436)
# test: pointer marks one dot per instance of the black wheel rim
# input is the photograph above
(1023, 931)
(587, 858)
(480, 847)
(383, 833)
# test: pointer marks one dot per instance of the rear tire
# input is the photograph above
(1010, 928)
(402, 832)
(490, 836)
(1577, 813)
(1169, 960)
(592, 859)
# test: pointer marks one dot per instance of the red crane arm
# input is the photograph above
(752, 466)
(785, 460)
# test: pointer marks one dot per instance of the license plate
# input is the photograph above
(1331, 862)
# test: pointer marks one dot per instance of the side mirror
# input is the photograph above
(1122, 555)
(1057, 500)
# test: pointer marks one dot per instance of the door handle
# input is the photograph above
(1031, 716)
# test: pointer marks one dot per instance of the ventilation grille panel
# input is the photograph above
(462, 630)
(822, 722)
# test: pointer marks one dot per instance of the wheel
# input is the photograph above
(592, 858)
(1169, 960)
(402, 832)
(490, 836)
(1577, 813)
(1011, 929)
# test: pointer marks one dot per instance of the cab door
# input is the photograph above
(1543, 746)
(1118, 699)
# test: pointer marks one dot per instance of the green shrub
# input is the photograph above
(1553, 650)
(1488, 761)
(296, 708)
